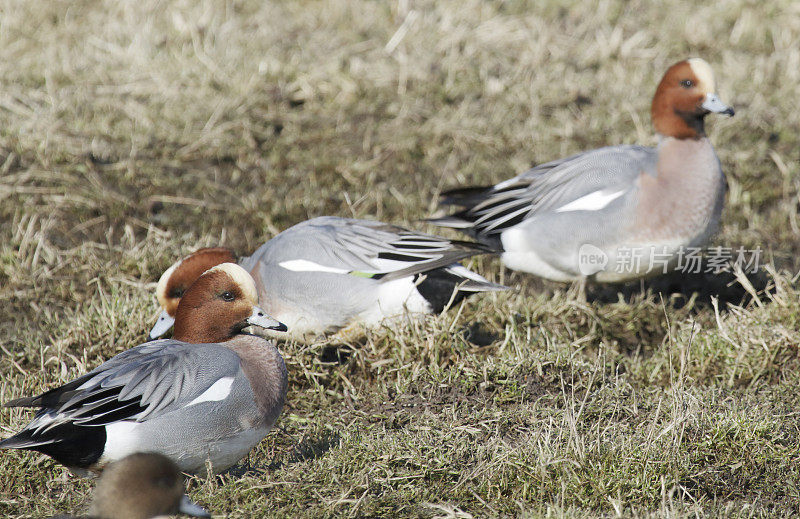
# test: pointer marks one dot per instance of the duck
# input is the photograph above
(142, 485)
(338, 276)
(208, 394)
(616, 213)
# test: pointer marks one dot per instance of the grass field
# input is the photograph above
(132, 133)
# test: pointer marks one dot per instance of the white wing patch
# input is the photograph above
(219, 390)
(301, 265)
(591, 202)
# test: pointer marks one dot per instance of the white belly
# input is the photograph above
(394, 299)
(124, 438)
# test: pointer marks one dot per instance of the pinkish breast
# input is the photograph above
(684, 201)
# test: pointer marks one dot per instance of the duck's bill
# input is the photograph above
(162, 326)
(260, 318)
(712, 103)
(189, 508)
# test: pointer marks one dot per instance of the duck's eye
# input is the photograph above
(176, 293)
(227, 296)
(687, 83)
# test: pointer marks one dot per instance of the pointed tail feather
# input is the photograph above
(481, 286)
(68, 444)
(27, 401)
(472, 282)
(447, 286)
(464, 196)
(22, 440)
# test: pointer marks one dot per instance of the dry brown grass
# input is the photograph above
(133, 132)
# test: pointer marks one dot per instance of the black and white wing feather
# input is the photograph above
(363, 248)
(135, 385)
(486, 212)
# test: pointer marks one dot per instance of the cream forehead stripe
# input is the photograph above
(161, 288)
(240, 277)
(705, 76)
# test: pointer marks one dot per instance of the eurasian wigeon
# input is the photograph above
(143, 485)
(328, 274)
(209, 393)
(614, 213)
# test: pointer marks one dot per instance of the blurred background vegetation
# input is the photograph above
(132, 133)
